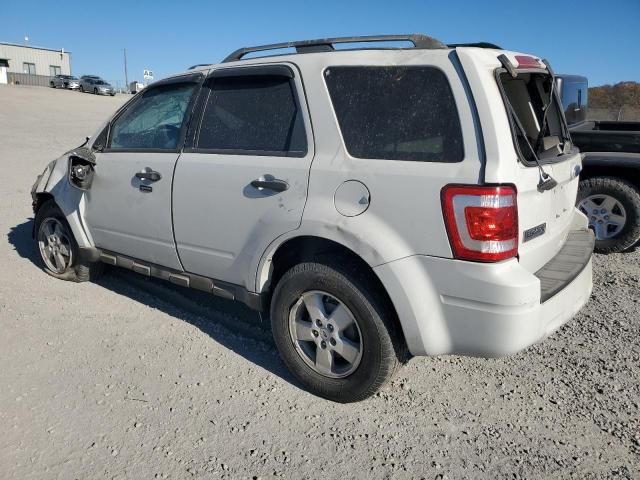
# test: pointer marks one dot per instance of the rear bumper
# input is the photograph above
(449, 306)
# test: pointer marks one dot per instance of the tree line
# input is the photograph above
(615, 96)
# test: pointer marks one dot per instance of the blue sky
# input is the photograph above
(595, 38)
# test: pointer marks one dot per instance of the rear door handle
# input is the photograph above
(274, 184)
(150, 175)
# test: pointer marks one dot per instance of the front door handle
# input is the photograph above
(270, 183)
(150, 175)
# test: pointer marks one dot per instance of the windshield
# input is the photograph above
(529, 95)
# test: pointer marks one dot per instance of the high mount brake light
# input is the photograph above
(482, 222)
(525, 61)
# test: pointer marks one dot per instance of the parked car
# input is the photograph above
(96, 86)
(351, 194)
(65, 81)
(609, 190)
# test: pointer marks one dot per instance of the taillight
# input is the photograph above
(482, 222)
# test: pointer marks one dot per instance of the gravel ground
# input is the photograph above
(130, 378)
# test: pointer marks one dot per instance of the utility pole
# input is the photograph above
(126, 76)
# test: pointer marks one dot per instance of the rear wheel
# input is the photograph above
(336, 335)
(58, 249)
(52, 85)
(613, 208)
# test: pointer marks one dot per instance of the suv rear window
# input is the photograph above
(396, 113)
(528, 95)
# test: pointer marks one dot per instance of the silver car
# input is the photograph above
(349, 195)
(96, 86)
(65, 81)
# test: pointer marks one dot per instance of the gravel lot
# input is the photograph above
(130, 378)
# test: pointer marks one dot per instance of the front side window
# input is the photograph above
(154, 121)
(254, 114)
(29, 68)
(396, 113)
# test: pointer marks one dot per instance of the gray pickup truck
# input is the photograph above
(609, 189)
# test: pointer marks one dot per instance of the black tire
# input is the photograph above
(95, 91)
(629, 197)
(79, 270)
(81, 89)
(53, 85)
(382, 345)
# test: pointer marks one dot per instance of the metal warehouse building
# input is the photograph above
(32, 65)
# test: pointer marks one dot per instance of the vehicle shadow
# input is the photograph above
(229, 323)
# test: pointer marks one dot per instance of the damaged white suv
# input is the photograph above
(377, 202)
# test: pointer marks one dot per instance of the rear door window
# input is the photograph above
(253, 115)
(396, 113)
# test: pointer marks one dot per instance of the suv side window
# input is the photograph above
(252, 115)
(396, 113)
(155, 121)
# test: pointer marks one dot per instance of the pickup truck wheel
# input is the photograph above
(58, 248)
(613, 208)
(333, 332)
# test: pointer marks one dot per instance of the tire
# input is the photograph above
(624, 196)
(95, 91)
(373, 329)
(74, 268)
(53, 85)
(81, 89)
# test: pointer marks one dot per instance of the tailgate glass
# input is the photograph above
(528, 94)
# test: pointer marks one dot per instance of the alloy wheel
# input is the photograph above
(54, 243)
(325, 334)
(607, 216)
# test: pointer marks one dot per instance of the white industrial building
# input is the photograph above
(29, 65)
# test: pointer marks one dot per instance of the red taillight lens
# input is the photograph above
(525, 61)
(482, 222)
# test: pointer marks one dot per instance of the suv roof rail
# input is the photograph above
(327, 44)
(476, 44)
(197, 65)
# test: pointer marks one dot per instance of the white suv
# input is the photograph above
(378, 202)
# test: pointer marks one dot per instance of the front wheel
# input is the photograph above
(334, 331)
(612, 205)
(58, 248)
